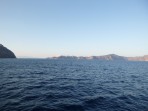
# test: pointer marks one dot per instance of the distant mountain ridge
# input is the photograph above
(6, 53)
(109, 57)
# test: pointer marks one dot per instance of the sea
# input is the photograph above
(73, 85)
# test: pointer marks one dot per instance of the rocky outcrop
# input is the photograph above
(6, 53)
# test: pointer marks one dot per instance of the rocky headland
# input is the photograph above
(6, 53)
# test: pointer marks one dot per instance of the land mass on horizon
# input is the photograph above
(6, 53)
(109, 57)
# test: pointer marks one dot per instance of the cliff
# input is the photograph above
(6, 53)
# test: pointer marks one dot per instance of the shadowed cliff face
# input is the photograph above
(6, 53)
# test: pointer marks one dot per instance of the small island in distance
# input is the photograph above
(109, 57)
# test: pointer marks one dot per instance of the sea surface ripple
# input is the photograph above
(73, 85)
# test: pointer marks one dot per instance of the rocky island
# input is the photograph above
(6, 53)
(109, 57)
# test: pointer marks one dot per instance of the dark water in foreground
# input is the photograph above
(67, 85)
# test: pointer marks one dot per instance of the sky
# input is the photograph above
(45, 28)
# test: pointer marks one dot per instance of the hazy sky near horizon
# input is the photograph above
(42, 28)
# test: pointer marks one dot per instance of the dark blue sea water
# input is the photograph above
(73, 85)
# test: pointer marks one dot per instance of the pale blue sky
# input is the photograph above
(42, 28)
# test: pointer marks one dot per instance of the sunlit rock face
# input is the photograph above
(140, 58)
(6, 53)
